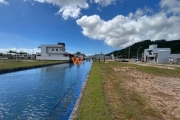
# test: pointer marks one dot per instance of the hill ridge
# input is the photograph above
(123, 53)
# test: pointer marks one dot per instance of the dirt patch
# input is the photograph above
(162, 93)
(123, 68)
(164, 66)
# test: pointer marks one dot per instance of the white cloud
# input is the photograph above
(140, 12)
(172, 6)
(124, 30)
(4, 2)
(72, 8)
(104, 2)
(68, 8)
(30, 51)
(69, 11)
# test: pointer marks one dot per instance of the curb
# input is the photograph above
(74, 113)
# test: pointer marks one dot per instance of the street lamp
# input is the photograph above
(117, 56)
(16, 50)
(129, 53)
(138, 51)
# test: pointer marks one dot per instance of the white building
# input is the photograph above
(158, 55)
(53, 52)
(112, 56)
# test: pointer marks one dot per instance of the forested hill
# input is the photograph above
(123, 53)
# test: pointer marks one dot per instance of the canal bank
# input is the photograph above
(92, 105)
(13, 66)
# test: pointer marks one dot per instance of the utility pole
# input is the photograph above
(117, 56)
(129, 53)
(138, 51)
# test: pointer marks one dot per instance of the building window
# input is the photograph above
(56, 49)
(52, 49)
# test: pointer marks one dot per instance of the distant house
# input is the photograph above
(53, 52)
(99, 56)
(80, 55)
(107, 57)
(174, 58)
(158, 55)
(112, 56)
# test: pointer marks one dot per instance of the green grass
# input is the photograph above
(93, 106)
(9, 65)
(107, 96)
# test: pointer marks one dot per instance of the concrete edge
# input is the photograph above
(74, 113)
(26, 68)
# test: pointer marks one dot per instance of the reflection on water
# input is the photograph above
(41, 93)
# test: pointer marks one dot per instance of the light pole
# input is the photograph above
(129, 53)
(138, 51)
(117, 56)
(16, 50)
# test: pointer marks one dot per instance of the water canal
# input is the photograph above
(42, 93)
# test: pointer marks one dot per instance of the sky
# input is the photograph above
(88, 26)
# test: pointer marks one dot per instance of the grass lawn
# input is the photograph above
(94, 106)
(108, 96)
(9, 64)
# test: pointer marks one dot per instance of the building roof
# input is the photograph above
(61, 43)
(174, 57)
(164, 50)
(98, 54)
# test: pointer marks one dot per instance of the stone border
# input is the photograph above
(74, 113)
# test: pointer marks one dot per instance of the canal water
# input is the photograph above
(42, 93)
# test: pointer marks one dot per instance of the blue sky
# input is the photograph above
(89, 26)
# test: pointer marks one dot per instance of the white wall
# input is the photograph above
(163, 56)
(145, 54)
(43, 50)
(54, 50)
(152, 47)
(53, 57)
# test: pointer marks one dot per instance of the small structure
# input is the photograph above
(107, 57)
(80, 55)
(174, 59)
(112, 57)
(99, 56)
(53, 52)
(158, 55)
